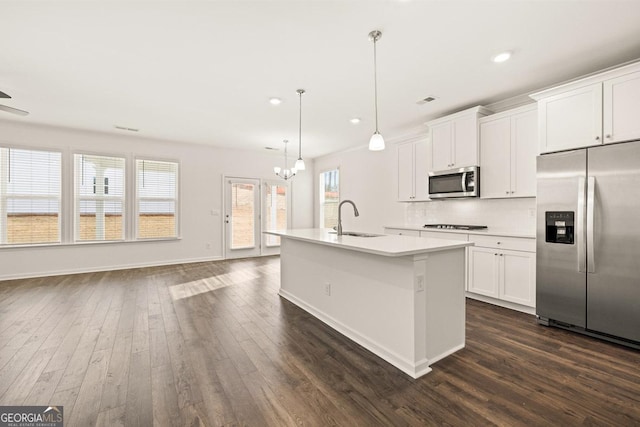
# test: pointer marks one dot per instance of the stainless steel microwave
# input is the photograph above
(455, 183)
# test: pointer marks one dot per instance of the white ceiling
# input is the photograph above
(203, 71)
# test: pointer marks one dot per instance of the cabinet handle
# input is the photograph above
(609, 136)
(501, 254)
(597, 138)
(506, 192)
(499, 243)
(512, 192)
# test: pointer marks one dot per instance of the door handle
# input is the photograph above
(464, 182)
(580, 234)
(591, 196)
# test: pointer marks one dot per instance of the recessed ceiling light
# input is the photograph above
(275, 101)
(355, 120)
(501, 57)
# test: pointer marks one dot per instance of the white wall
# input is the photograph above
(370, 180)
(201, 171)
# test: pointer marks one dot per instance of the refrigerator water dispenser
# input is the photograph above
(559, 227)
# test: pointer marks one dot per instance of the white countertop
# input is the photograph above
(491, 231)
(385, 245)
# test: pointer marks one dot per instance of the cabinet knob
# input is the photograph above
(506, 192)
(512, 192)
(597, 138)
(609, 136)
(499, 243)
(501, 254)
(495, 254)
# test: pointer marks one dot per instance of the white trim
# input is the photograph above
(109, 268)
(501, 303)
(589, 79)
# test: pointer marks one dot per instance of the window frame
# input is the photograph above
(74, 232)
(320, 198)
(60, 198)
(136, 205)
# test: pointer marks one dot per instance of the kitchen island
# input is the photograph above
(401, 297)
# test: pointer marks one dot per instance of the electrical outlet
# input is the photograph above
(327, 289)
(419, 283)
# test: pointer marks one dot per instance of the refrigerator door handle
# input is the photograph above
(591, 195)
(580, 234)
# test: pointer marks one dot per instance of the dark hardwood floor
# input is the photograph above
(213, 344)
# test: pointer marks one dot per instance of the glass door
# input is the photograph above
(275, 200)
(242, 217)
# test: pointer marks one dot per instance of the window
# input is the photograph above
(329, 198)
(29, 196)
(275, 211)
(157, 193)
(99, 197)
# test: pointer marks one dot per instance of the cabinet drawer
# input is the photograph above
(402, 232)
(500, 242)
(444, 235)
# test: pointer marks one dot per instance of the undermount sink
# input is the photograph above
(357, 234)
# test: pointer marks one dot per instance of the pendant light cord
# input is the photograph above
(300, 92)
(375, 80)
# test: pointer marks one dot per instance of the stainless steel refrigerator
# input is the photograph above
(588, 241)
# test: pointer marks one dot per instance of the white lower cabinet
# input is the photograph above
(503, 268)
(483, 272)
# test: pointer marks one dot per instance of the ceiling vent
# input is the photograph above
(426, 100)
(126, 128)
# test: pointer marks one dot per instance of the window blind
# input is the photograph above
(29, 196)
(157, 199)
(99, 197)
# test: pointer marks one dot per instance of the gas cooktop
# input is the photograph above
(456, 226)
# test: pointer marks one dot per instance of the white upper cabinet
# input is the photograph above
(572, 119)
(508, 149)
(621, 107)
(596, 110)
(412, 167)
(454, 139)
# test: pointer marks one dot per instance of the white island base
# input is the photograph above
(408, 308)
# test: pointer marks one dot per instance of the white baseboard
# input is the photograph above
(413, 369)
(501, 303)
(109, 268)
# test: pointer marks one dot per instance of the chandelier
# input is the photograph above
(285, 173)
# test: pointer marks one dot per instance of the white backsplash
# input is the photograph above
(503, 214)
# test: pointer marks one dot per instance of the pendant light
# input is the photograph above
(300, 163)
(285, 173)
(376, 143)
